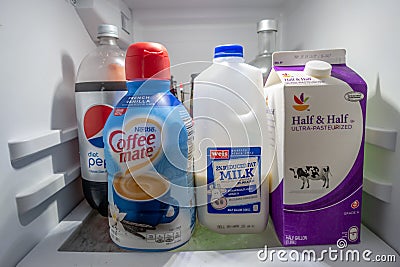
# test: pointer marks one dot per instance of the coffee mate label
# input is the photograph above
(233, 180)
(138, 144)
(148, 144)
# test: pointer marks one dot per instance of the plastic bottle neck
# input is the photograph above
(228, 59)
(266, 42)
(148, 86)
(107, 40)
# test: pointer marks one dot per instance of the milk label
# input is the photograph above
(320, 122)
(233, 180)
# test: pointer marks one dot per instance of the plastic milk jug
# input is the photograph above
(233, 144)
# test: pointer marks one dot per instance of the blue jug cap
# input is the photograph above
(228, 50)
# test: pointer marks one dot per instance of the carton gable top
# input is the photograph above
(296, 60)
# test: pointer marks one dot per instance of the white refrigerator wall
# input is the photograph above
(190, 32)
(42, 44)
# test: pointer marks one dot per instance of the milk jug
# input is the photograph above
(233, 145)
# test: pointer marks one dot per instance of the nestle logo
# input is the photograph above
(219, 154)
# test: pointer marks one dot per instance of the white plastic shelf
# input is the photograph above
(384, 138)
(379, 189)
(47, 252)
(33, 196)
(21, 148)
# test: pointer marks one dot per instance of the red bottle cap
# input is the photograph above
(147, 60)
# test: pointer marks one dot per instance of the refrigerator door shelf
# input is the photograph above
(32, 197)
(29, 146)
(381, 190)
(47, 252)
(24, 151)
(383, 138)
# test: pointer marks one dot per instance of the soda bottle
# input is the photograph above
(100, 84)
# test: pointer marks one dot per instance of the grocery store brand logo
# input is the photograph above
(355, 204)
(219, 154)
(300, 102)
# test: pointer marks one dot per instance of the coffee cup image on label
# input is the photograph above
(144, 199)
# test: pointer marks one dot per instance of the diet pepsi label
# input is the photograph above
(92, 110)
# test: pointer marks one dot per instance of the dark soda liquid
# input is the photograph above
(96, 195)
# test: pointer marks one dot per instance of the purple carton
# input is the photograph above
(319, 108)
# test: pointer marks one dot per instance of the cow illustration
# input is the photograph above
(218, 201)
(314, 173)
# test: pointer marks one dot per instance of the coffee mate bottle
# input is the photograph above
(148, 149)
(233, 145)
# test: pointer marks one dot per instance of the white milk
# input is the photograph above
(233, 145)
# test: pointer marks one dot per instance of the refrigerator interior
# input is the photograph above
(44, 42)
